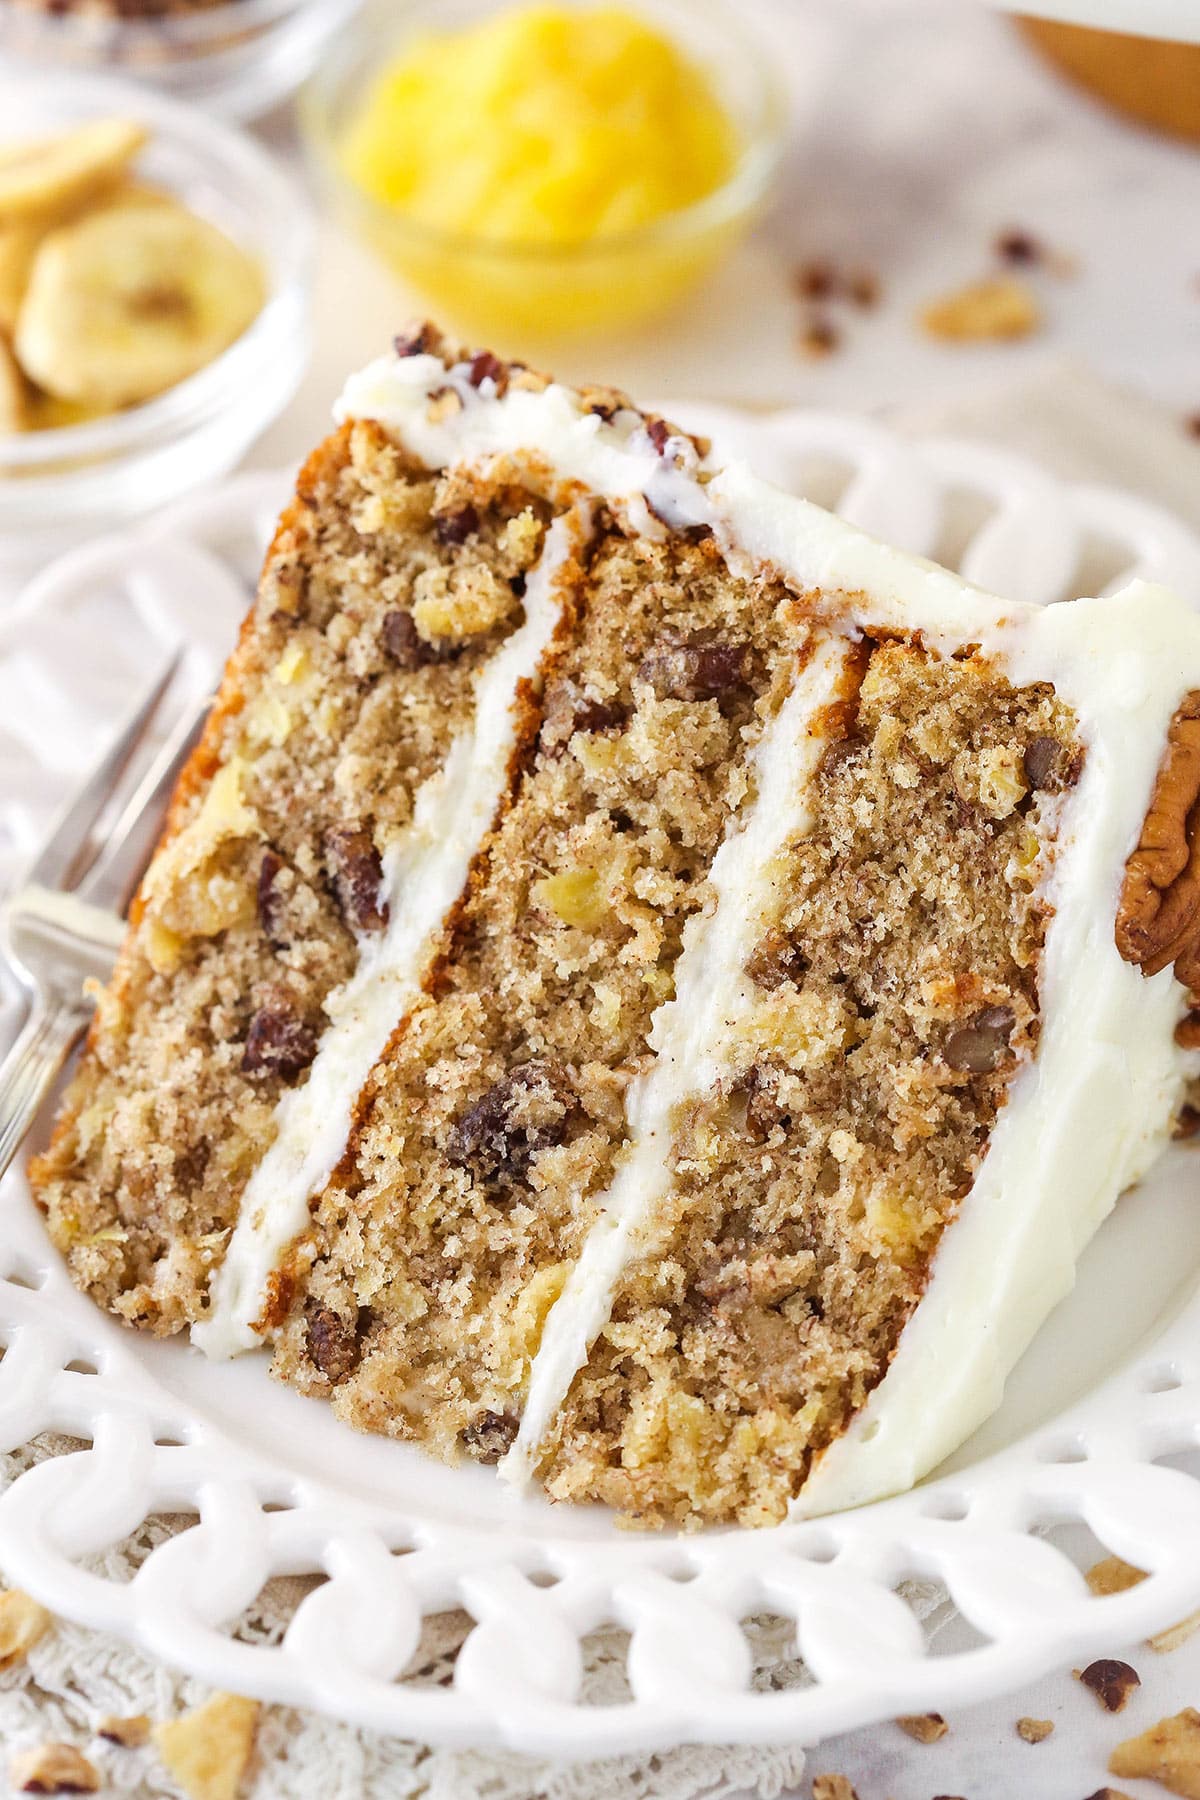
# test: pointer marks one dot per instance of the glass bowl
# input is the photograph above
(59, 485)
(237, 59)
(545, 290)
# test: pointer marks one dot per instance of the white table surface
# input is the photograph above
(920, 132)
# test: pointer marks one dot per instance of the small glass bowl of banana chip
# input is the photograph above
(153, 302)
(111, 289)
(236, 58)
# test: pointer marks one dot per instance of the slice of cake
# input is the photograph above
(642, 983)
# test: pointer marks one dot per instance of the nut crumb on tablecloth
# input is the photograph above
(1024, 249)
(1173, 1635)
(993, 309)
(821, 284)
(1168, 1752)
(1113, 1575)
(821, 279)
(1111, 1681)
(818, 338)
(22, 1623)
(925, 1728)
(1034, 1731)
(832, 1787)
(1017, 246)
(864, 288)
(130, 1733)
(53, 1769)
(1192, 424)
(208, 1750)
(1107, 1793)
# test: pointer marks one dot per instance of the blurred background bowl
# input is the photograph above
(236, 59)
(1151, 79)
(56, 486)
(509, 289)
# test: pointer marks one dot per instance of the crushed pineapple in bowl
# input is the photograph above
(547, 168)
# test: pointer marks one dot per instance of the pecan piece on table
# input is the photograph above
(23, 1623)
(1168, 1752)
(129, 1730)
(923, 1728)
(53, 1769)
(1111, 1681)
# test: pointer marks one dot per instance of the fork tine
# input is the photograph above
(112, 878)
(60, 854)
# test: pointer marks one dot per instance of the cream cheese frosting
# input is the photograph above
(1088, 1116)
(1082, 1120)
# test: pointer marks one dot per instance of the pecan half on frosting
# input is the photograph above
(1158, 918)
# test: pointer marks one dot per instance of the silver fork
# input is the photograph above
(64, 926)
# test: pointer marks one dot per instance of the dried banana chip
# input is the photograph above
(12, 391)
(131, 299)
(18, 247)
(19, 243)
(54, 175)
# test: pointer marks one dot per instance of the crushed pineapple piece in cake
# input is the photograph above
(577, 897)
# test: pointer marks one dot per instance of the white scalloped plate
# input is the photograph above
(1089, 1445)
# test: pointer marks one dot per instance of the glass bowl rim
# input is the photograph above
(186, 30)
(757, 162)
(189, 402)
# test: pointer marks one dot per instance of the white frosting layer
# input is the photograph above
(1081, 1122)
(617, 461)
(692, 1035)
(424, 873)
(1086, 1118)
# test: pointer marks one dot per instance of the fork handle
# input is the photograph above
(29, 1070)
